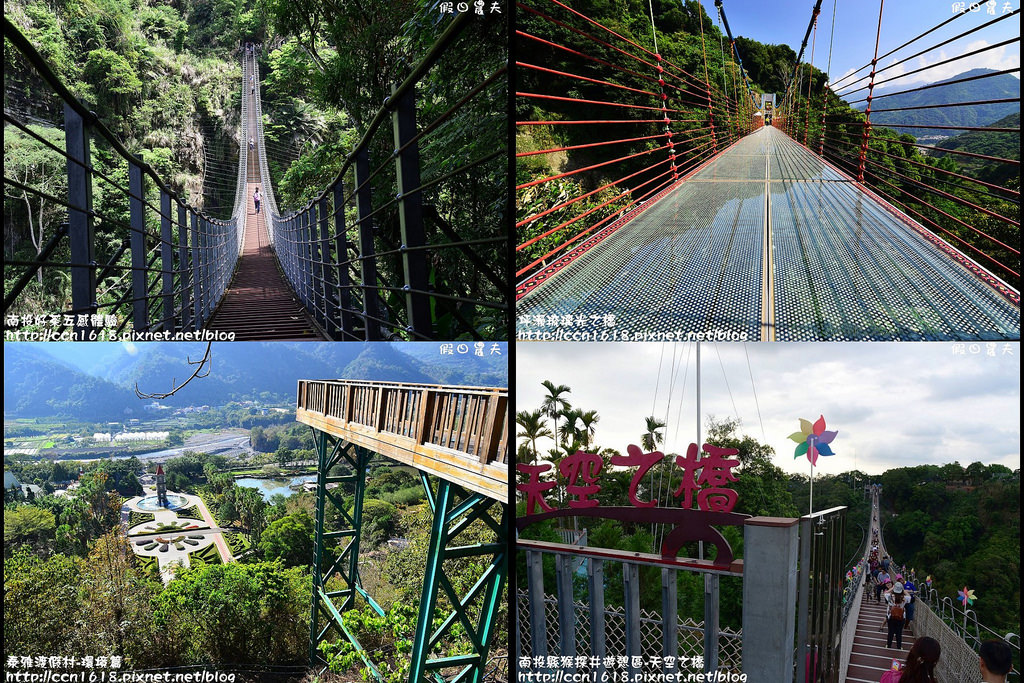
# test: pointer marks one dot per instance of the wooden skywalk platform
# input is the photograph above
(459, 434)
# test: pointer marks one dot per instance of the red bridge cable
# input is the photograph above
(572, 201)
(588, 168)
(589, 230)
(591, 144)
(932, 222)
(941, 170)
(572, 220)
(585, 78)
(944, 83)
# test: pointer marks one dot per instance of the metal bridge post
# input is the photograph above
(137, 218)
(347, 323)
(327, 291)
(669, 615)
(410, 216)
(197, 291)
(80, 225)
(711, 623)
(315, 257)
(631, 605)
(450, 519)
(166, 261)
(364, 207)
(566, 606)
(535, 595)
(184, 271)
(207, 266)
(595, 583)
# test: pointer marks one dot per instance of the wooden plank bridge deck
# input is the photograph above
(457, 433)
(259, 304)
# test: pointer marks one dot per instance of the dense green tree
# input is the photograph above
(237, 613)
(289, 539)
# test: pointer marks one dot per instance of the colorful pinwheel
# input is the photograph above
(966, 597)
(813, 440)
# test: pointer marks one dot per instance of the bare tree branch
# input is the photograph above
(203, 367)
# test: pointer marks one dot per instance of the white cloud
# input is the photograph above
(997, 59)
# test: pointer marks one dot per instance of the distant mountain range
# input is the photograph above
(38, 384)
(982, 89)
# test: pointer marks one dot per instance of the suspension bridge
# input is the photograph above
(457, 439)
(405, 243)
(666, 208)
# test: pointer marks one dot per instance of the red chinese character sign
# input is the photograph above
(706, 474)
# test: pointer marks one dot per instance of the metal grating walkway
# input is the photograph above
(766, 242)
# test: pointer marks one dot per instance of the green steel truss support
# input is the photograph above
(453, 511)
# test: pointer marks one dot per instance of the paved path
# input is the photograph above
(770, 242)
(225, 552)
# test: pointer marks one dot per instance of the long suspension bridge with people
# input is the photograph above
(656, 202)
(395, 247)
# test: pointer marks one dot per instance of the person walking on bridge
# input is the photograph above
(895, 615)
(256, 199)
(252, 143)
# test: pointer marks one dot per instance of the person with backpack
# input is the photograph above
(920, 664)
(895, 615)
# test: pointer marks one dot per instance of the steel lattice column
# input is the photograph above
(454, 510)
(331, 451)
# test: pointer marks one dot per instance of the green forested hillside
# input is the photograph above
(961, 526)
(1002, 145)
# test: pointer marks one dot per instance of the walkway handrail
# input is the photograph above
(390, 284)
(179, 262)
(472, 421)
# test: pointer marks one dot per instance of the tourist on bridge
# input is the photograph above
(251, 143)
(996, 661)
(920, 664)
(883, 581)
(911, 590)
(895, 615)
(256, 199)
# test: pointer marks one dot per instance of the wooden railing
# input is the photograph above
(470, 421)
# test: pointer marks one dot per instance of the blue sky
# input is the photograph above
(784, 21)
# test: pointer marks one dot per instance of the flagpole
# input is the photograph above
(811, 505)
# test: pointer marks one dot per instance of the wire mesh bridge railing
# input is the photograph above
(928, 145)
(409, 240)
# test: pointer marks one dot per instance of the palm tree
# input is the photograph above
(554, 403)
(652, 437)
(534, 427)
(571, 428)
(589, 419)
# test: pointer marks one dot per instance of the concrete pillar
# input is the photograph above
(770, 546)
